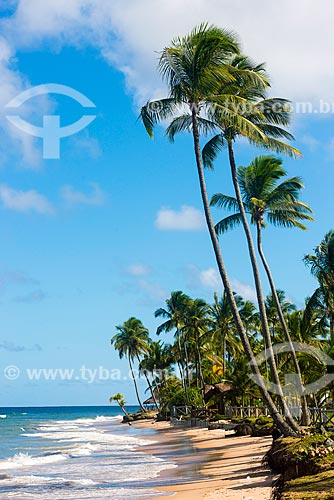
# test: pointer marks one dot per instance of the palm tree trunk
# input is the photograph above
(136, 388)
(285, 428)
(305, 413)
(181, 366)
(123, 410)
(149, 385)
(187, 361)
(259, 292)
(224, 355)
(200, 369)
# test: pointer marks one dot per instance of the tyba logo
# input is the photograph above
(292, 381)
(51, 132)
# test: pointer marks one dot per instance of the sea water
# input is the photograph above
(74, 453)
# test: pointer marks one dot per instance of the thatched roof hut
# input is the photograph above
(219, 390)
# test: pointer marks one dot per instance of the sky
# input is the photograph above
(111, 227)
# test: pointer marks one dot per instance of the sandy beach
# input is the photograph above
(210, 465)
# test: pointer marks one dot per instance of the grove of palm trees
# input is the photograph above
(220, 96)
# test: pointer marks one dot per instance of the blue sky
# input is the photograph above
(112, 227)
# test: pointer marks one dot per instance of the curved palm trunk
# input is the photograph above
(286, 428)
(136, 388)
(149, 385)
(259, 292)
(123, 409)
(305, 413)
(151, 390)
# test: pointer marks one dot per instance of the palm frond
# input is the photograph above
(272, 144)
(229, 222)
(184, 123)
(211, 150)
(224, 201)
(156, 111)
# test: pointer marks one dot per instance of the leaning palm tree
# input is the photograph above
(268, 117)
(131, 341)
(196, 68)
(120, 400)
(321, 264)
(265, 198)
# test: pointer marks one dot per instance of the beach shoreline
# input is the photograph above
(210, 465)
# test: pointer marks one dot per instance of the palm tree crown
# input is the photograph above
(264, 197)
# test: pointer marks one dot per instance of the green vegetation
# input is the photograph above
(120, 400)
(218, 94)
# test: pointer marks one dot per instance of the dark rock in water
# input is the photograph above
(4, 476)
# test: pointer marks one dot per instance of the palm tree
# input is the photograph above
(285, 308)
(120, 400)
(195, 329)
(131, 341)
(195, 68)
(263, 196)
(224, 328)
(265, 115)
(176, 316)
(321, 264)
(155, 361)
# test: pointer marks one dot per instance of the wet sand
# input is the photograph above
(210, 465)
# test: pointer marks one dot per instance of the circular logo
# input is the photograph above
(293, 379)
(12, 372)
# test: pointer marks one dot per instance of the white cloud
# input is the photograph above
(245, 290)
(209, 279)
(138, 269)
(24, 201)
(186, 219)
(74, 197)
(130, 34)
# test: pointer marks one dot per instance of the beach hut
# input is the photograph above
(219, 392)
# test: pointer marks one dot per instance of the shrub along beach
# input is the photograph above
(227, 367)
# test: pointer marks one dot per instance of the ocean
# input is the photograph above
(72, 453)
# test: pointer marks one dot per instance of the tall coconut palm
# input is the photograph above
(223, 331)
(197, 326)
(156, 361)
(263, 197)
(131, 341)
(321, 264)
(176, 312)
(195, 68)
(267, 116)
